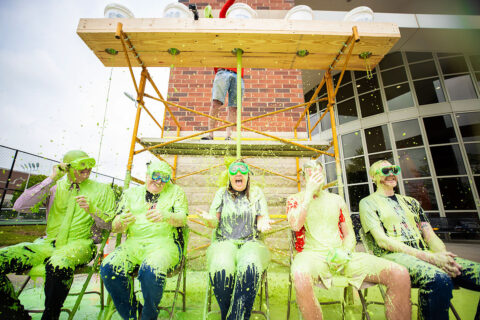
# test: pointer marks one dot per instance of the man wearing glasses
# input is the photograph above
(398, 230)
(152, 216)
(74, 205)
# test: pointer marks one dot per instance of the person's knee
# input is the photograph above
(440, 281)
(108, 272)
(398, 276)
(302, 281)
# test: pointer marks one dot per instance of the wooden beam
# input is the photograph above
(267, 43)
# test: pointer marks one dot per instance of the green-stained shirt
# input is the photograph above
(399, 219)
(171, 201)
(238, 215)
(322, 231)
(101, 200)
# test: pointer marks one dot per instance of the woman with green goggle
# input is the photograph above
(237, 258)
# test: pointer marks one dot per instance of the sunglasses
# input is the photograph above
(386, 171)
(82, 164)
(159, 176)
(238, 166)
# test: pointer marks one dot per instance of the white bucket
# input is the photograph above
(359, 14)
(241, 11)
(300, 12)
(115, 10)
(177, 10)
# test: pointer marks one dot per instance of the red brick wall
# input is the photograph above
(266, 90)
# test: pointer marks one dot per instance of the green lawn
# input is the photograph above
(15, 234)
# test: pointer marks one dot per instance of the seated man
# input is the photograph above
(151, 215)
(73, 205)
(328, 254)
(399, 231)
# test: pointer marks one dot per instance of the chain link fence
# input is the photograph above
(20, 170)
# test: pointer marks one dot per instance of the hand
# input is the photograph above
(207, 218)
(444, 260)
(263, 223)
(314, 183)
(153, 215)
(121, 222)
(59, 171)
(83, 203)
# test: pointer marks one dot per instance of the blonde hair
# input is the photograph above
(375, 167)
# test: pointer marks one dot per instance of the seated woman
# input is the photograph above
(328, 254)
(236, 258)
(151, 215)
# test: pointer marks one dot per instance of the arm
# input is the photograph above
(346, 226)
(434, 243)
(298, 210)
(178, 218)
(103, 210)
(212, 217)
(34, 195)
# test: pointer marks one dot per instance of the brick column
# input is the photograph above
(266, 90)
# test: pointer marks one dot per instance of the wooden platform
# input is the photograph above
(267, 43)
(222, 148)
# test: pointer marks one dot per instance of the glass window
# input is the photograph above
(357, 193)
(364, 84)
(477, 76)
(399, 97)
(352, 144)
(347, 111)
(475, 60)
(413, 163)
(345, 92)
(422, 190)
(429, 91)
(447, 54)
(447, 160)
(394, 76)
(355, 170)
(381, 156)
(371, 103)
(362, 74)
(456, 193)
(346, 77)
(377, 139)
(327, 157)
(473, 154)
(418, 56)
(391, 60)
(313, 120)
(423, 70)
(440, 129)
(331, 172)
(453, 65)
(460, 87)
(469, 124)
(477, 183)
(407, 134)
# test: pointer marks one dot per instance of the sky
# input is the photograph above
(54, 90)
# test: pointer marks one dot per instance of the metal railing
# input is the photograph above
(18, 168)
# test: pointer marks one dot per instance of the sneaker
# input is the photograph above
(206, 138)
(228, 138)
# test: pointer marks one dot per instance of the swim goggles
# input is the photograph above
(160, 176)
(82, 164)
(238, 166)
(386, 171)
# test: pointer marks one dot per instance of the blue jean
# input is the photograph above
(120, 288)
(226, 81)
(435, 286)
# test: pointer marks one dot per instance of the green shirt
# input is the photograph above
(171, 201)
(399, 219)
(101, 200)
